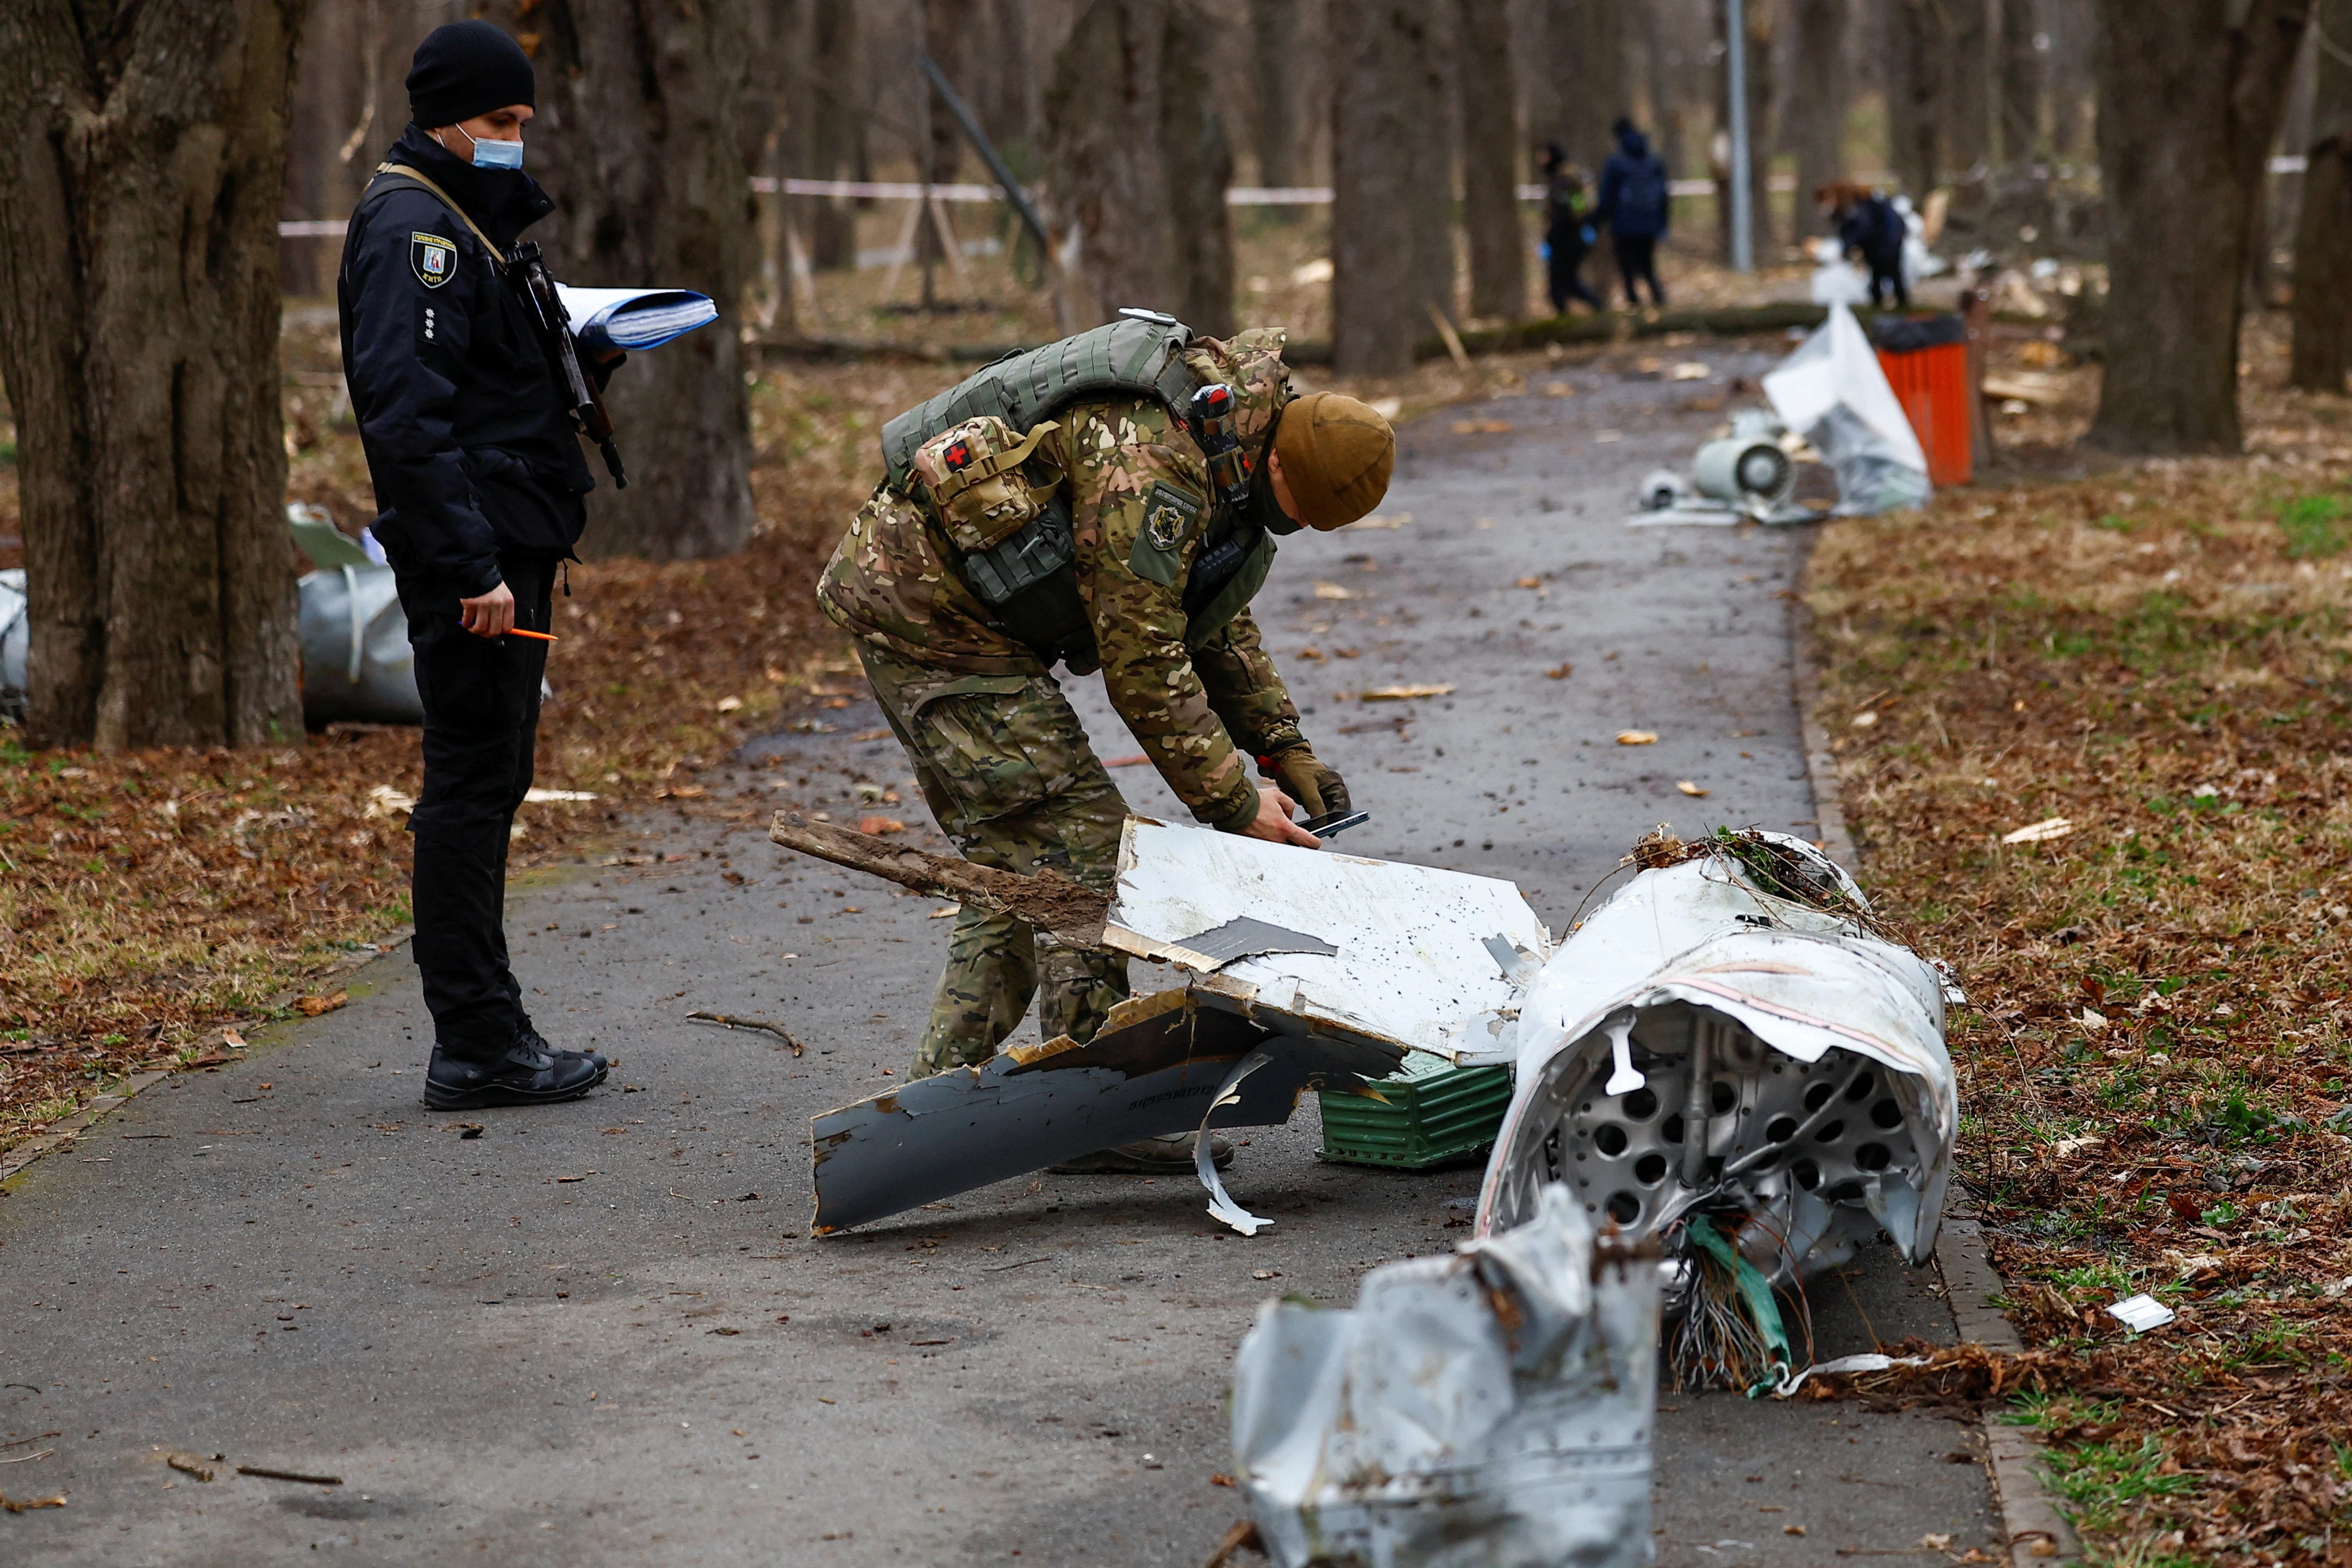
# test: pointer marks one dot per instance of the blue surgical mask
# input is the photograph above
(497, 154)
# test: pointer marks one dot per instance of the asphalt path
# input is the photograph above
(598, 1333)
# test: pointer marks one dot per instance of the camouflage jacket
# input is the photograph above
(1138, 488)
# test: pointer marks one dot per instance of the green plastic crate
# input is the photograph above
(1435, 1113)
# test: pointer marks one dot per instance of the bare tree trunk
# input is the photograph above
(1432, 149)
(2322, 236)
(951, 34)
(139, 303)
(2188, 102)
(2021, 83)
(1666, 114)
(1763, 27)
(647, 134)
(1008, 97)
(1969, 84)
(1490, 160)
(828, 111)
(331, 81)
(1103, 126)
(1378, 286)
(2070, 82)
(1914, 97)
(1274, 34)
(1820, 102)
(1199, 162)
(1583, 42)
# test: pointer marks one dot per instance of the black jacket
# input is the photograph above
(1874, 228)
(1636, 194)
(470, 439)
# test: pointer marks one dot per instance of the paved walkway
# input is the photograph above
(597, 1333)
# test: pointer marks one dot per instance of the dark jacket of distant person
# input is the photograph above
(1635, 201)
(468, 435)
(1871, 228)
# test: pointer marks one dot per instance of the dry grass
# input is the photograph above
(2154, 1057)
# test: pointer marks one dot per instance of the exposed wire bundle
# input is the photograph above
(1730, 1333)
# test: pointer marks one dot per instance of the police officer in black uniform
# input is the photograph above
(478, 478)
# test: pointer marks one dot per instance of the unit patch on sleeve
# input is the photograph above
(434, 258)
(1167, 518)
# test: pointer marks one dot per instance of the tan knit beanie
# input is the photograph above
(1336, 458)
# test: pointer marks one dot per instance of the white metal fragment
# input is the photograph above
(1220, 1203)
(1796, 1081)
(2141, 1313)
(1493, 1409)
(1412, 966)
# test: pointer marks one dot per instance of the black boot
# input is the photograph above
(538, 1041)
(528, 1074)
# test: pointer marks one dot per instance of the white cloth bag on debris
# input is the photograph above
(1837, 281)
(357, 664)
(1493, 1410)
(16, 640)
(1832, 392)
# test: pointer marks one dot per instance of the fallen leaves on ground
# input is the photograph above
(150, 898)
(1403, 694)
(311, 1006)
(1689, 787)
(2181, 632)
(1637, 738)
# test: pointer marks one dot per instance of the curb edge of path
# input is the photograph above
(63, 1133)
(2032, 1527)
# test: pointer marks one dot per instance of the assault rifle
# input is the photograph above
(526, 263)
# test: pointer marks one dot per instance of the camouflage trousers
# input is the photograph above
(1005, 766)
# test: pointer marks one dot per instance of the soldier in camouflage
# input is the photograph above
(967, 686)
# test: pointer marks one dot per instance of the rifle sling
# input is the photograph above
(405, 172)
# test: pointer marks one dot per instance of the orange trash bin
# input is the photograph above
(1932, 384)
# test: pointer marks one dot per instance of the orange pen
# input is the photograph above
(541, 636)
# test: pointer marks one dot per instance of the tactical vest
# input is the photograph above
(1029, 580)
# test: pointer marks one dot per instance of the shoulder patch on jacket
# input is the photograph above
(1169, 515)
(433, 258)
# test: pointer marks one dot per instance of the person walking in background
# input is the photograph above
(1869, 226)
(1567, 231)
(1635, 203)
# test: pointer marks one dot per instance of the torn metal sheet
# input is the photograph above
(1703, 1047)
(1410, 964)
(1242, 938)
(1493, 1409)
(1161, 1064)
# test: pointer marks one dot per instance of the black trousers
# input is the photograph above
(1887, 280)
(482, 722)
(1637, 259)
(1564, 274)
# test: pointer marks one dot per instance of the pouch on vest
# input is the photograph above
(974, 476)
